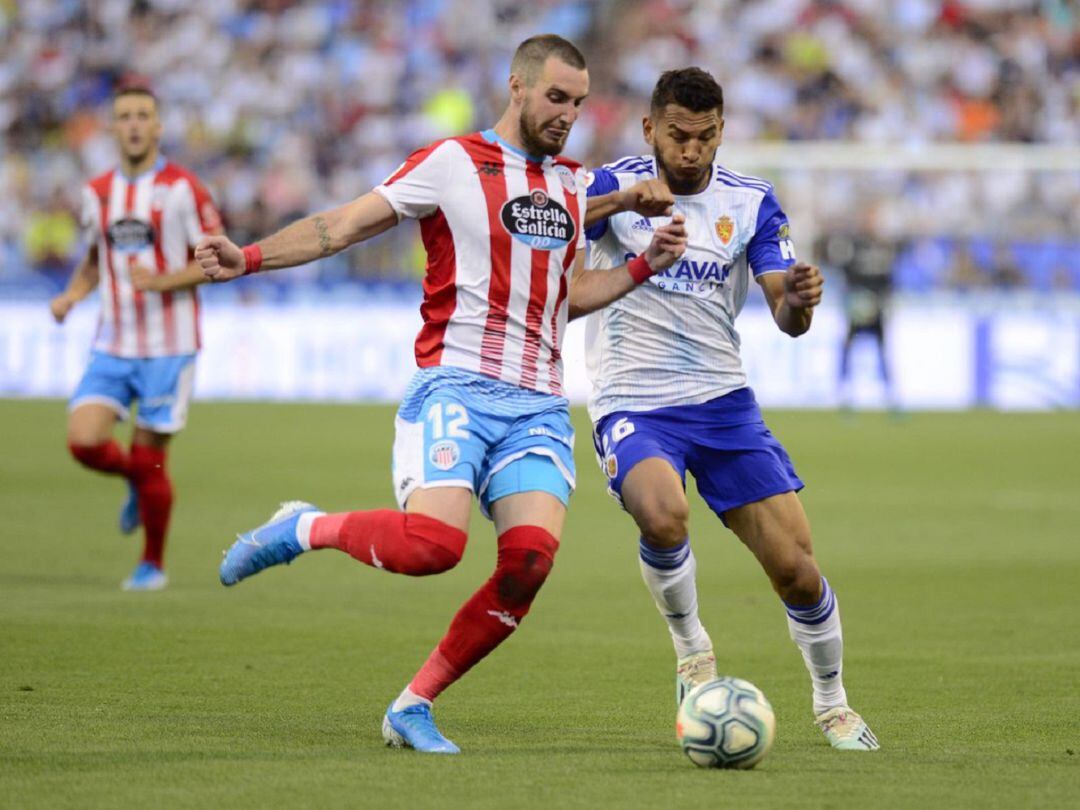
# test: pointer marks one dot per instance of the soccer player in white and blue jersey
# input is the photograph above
(670, 395)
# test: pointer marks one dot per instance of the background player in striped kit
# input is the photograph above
(142, 220)
(501, 218)
(670, 395)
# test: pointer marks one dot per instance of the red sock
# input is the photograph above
(155, 498)
(526, 554)
(400, 542)
(108, 457)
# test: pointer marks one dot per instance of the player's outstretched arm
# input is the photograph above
(143, 278)
(83, 282)
(303, 241)
(792, 296)
(650, 198)
(591, 290)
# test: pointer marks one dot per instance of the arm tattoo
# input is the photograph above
(324, 236)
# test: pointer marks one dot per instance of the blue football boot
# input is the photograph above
(414, 727)
(129, 512)
(145, 577)
(270, 544)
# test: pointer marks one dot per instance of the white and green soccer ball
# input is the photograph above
(725, 723)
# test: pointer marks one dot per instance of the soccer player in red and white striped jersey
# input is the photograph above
(502, 218)
(142, 221)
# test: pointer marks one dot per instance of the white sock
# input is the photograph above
(816, 631)
(303, 528)
(670, 575)
(408, 698)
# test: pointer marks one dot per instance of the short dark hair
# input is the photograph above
(133, 86)
(692, 88)
(531, 54)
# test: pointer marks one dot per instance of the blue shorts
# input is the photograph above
(456, 428)
(162, 386)
(724, 444)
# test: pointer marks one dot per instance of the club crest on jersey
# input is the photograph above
(444, 455)
(538, 221)
(130, 235)
(566, 177)
(725, 228)
(787, 247)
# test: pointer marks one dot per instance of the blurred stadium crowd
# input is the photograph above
(287, 107)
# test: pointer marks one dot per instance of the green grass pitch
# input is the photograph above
(953, 542)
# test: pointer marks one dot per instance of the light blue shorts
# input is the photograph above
(456, 428)
(162, 386)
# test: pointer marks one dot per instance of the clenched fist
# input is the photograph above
(802, 286)
(668, 244)
(650, 198)
(219, 258)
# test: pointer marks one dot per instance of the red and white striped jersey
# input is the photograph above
(501, 231)
(154, 220)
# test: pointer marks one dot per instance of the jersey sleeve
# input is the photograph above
(770, 248)
(208, 214)
(200, 215)
(601, 182)
(89, 214)
(415, 189)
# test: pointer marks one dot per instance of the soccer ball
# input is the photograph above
(725, 723)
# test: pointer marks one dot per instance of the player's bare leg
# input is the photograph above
(777, 531)
(653, 494)
(90, 425)
(449, 505)
(528, 526)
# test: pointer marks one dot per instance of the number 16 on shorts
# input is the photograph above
(619, 430)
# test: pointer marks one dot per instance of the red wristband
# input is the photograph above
(252, 259)
(639, 269)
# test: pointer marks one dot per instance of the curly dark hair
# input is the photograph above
(692, 88)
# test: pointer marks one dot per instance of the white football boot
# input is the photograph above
(693, 670)
(846, 730)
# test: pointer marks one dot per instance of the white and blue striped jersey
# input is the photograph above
(672, 340)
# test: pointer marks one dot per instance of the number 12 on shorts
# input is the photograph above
(448, 421)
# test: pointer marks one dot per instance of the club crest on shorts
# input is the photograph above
(725, 227)
(611, 466)
(444, 455)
